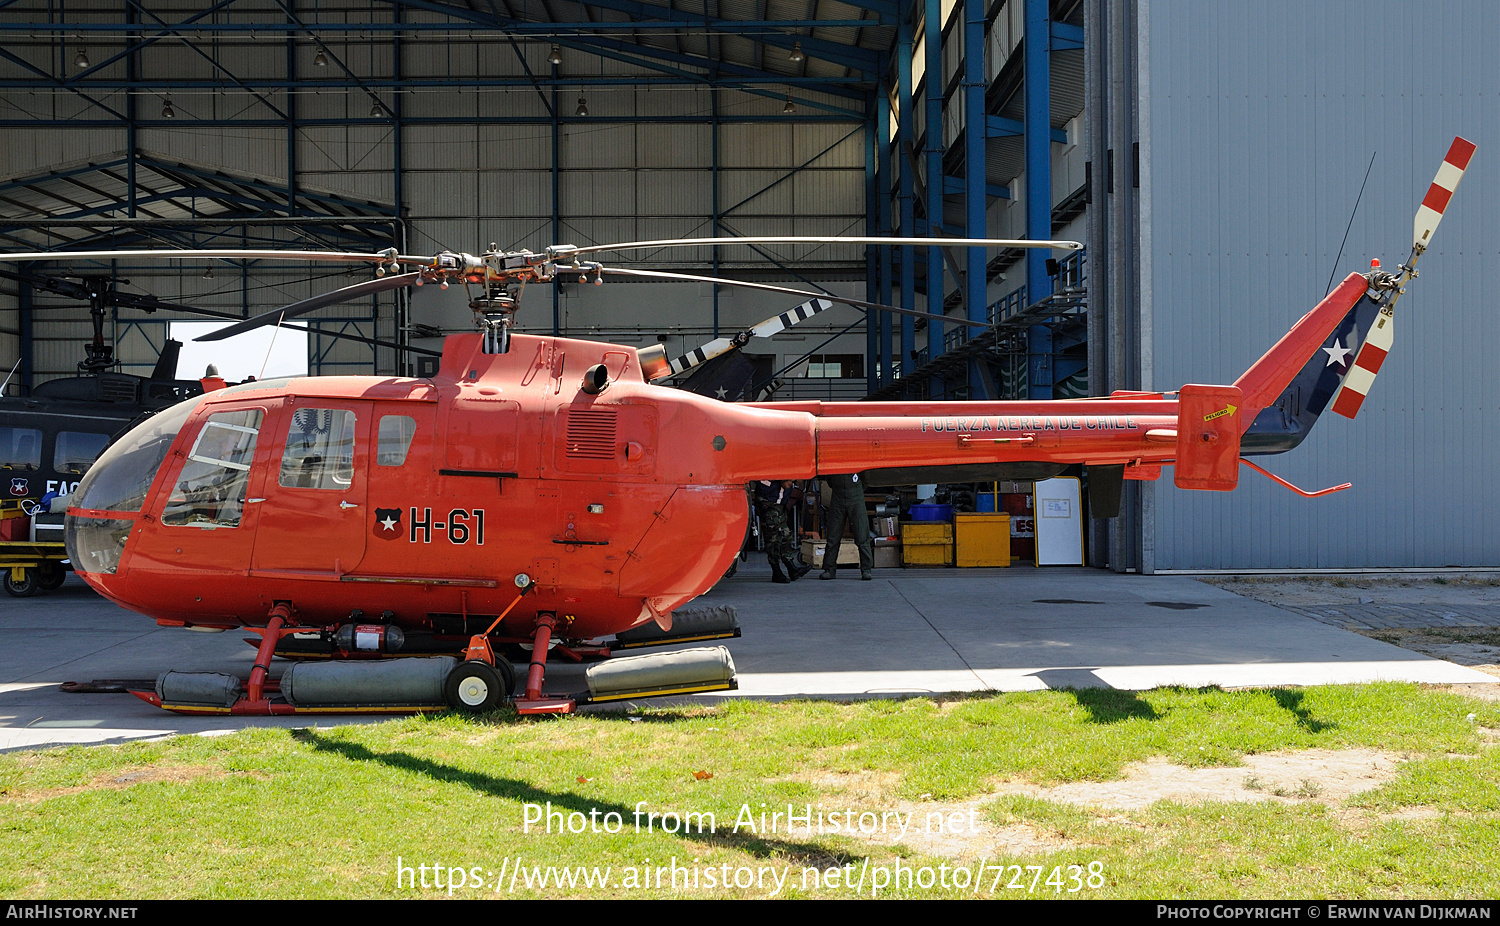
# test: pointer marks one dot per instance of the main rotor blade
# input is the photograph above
(834, 239)
(703, 354)
(337, 257)
(773, 325)
(857, 303)
(400, 348)
(779, 323)
(275, 316)
(111, 297)
(50, 284)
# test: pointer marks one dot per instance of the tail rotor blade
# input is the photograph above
(1361, 375)
(1382, 332)
(321, 301)
(1430, 213)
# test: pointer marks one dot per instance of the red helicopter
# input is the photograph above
(542, 492)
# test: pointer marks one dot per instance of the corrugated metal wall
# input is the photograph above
(1262, 120)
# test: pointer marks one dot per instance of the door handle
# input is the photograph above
(347, 505)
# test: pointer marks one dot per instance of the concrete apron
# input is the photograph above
(908, 632)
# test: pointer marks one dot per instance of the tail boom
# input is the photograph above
(1269, 376)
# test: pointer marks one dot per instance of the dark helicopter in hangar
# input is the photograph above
(48, 439)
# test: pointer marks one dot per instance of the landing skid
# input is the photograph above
(470, 679)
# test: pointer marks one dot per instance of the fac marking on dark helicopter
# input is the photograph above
(541, 491)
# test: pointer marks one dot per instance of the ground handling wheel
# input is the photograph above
(50, 576)
(21, 588)
(475, 687)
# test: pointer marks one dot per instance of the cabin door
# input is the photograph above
(313, 519)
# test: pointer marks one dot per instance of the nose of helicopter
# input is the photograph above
(111, 496)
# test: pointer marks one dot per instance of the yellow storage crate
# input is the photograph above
(926, 543)
(926, 532)
(927, 554)
(981, 539)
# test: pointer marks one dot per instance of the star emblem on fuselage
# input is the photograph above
(387, 523)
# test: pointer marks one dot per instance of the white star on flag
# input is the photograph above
(1337, 354)
(389, 522)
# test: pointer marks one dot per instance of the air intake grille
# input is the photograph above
(117, 390)
(591, 434)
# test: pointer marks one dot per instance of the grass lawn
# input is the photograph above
(957, 797)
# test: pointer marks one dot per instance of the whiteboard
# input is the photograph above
(1059, 522)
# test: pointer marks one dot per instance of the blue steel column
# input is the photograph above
(975, 277)
(883, 181)
(872, 190)
(932, 42)
(1038, 78)
(905, 158)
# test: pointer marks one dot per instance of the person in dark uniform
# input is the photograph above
(774, 500)
(848, 507)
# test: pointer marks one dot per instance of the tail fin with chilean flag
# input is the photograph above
(1340, 370)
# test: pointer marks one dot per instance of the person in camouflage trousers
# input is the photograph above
(774, 500)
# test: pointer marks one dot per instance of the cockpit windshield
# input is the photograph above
(121, 477)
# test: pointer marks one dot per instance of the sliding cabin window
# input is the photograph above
(319, 450)
(396, 432)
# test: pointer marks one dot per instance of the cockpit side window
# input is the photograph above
(319, 450)
(21, 449)
(121, 478)
(396, 432)
(210, 492)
